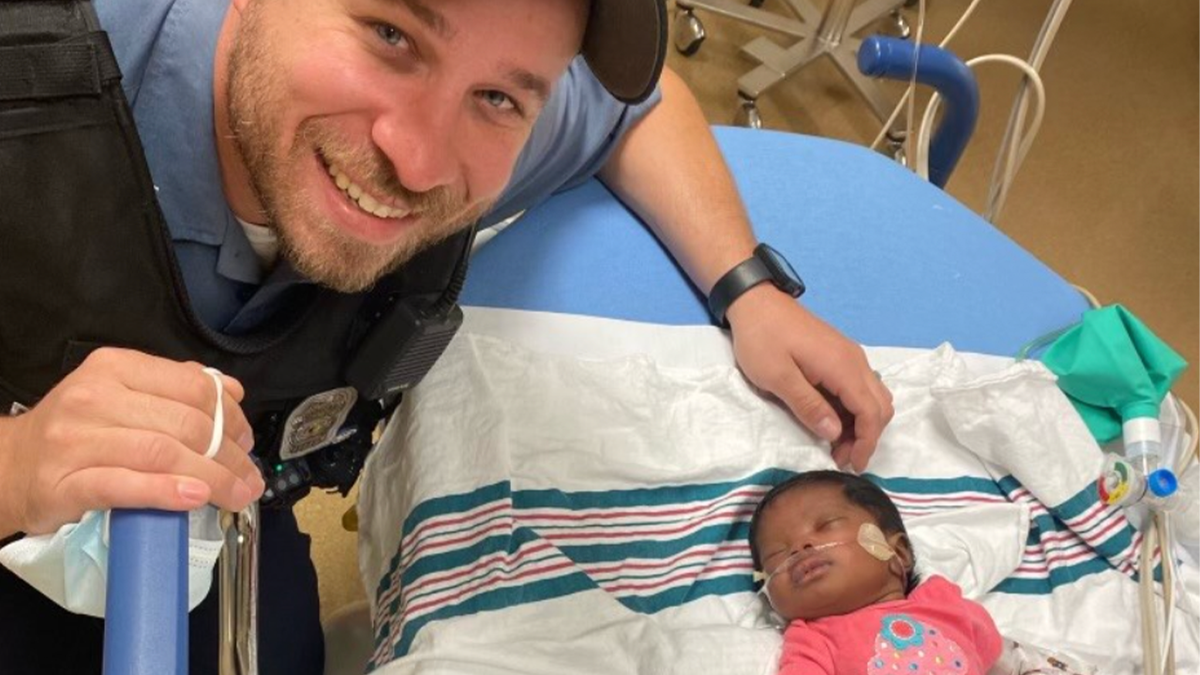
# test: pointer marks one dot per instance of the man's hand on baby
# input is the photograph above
(822, 376)
(124, 430)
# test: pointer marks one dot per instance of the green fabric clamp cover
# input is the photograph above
(1112, 368)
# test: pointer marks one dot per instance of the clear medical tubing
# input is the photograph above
(1143, 446)
(146, 626)
(893, 58)
(1124, 483)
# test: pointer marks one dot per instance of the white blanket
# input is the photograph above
(568, 494)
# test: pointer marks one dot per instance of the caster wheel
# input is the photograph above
(748, 115)
(689, 33)
(902, 28)
(895, 147)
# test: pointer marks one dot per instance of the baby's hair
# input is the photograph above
(858, 491)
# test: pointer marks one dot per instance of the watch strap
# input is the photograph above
(744, 276)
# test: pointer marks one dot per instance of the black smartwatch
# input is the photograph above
(766, 264)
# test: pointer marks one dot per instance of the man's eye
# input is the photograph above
(498, 100)
(390, 34)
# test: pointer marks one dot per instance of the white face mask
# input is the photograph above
(71, 566)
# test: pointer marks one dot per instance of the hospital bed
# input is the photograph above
(889, 260)
(514, 535)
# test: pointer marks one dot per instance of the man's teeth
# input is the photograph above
(360, 197)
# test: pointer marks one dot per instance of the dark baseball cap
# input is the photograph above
(625, 44)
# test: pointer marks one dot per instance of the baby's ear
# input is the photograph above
(903, 548)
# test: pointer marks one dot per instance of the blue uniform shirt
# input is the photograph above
(166, 50)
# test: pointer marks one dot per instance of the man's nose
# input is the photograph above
(418, 136)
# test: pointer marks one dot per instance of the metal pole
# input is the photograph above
(239, 593)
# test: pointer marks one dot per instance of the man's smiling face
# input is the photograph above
(371, 129)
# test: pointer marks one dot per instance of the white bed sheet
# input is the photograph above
(570, 494)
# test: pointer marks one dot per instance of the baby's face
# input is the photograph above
(808, 543)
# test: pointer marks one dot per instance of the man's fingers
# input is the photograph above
(884, 395)
(151, 452)
(183, 382)
(194, 428)
(109, 487)
(841, 453)
(864, 446)
(806, 403)
(864, 412)
(872, 410)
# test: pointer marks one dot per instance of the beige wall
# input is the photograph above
(1108, 195)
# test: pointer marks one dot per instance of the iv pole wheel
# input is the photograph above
(747, 114)
(902, 27)
(689, 32)
(895, 145)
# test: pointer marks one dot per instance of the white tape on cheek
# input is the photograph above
(214, 444)
(871, 538)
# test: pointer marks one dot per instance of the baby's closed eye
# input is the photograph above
(829, 522)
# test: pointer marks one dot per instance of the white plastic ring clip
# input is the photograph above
(218, 414)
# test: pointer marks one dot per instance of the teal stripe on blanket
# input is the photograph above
(1040, 526)
(501, 598)
(656, 548)
(1083, 500)
(659, 547)
(485, 578)
(1059, 576)
(599, 527)
(1114, 550)
(582, 554)
(674, 597)
(508, 544)
(465, 557)
(1117, 542)
(936, 486)
(455, 504)
(440, 506)
(667, 495)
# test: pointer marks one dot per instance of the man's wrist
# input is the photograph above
(10, 525)
(765, 267)
(749, 303)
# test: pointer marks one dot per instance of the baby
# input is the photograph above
(837, 564)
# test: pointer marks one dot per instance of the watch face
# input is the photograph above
(781, 270)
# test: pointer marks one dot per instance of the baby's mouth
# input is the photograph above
(808, 568)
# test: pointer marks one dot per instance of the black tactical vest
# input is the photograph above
(86, 260)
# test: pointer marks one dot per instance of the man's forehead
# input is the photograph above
(433, 19)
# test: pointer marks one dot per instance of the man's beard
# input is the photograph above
(314, 245)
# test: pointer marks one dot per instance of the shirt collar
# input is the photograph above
(174, 115)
